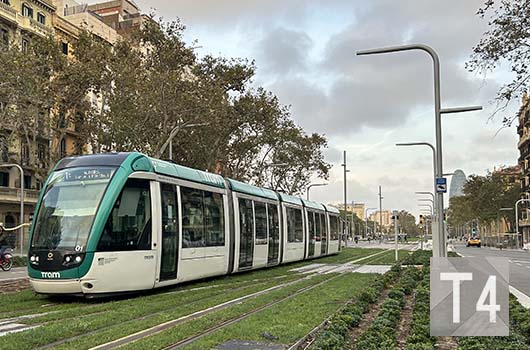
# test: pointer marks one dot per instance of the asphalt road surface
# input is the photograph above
(14, 273)
(519, 264)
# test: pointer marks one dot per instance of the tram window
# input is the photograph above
(129, 224)
(334, 227)
(261, 223)
(294, 225)
(324, 227)
(192, 218)
(311, 223)
(274, 228)
(318, 224)
(202, 218)
(214, 234)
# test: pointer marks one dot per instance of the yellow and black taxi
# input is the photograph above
(474, 242)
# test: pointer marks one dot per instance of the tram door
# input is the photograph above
(274, 234)
(311, 233)
(170, 232)
(324, 230)
(246, 233)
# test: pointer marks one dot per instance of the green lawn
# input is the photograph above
(294, 318)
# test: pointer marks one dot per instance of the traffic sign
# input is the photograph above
(441, 185)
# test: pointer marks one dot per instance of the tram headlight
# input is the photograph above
(32, 258)
(67, 258)
(78, 259)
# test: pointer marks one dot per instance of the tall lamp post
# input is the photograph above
(21, 171)
(441, 250)
(366, 221)
(517, 218)
(345, 198)
(172, 134)
(314, 185)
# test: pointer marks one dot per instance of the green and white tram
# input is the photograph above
(122, 222)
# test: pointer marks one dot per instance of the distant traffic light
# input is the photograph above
(421, 220)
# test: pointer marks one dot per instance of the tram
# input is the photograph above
(124, 222)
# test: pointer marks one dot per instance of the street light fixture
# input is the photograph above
(174, 133)
(21, 171)
(314, 185)
(440, 250)
(425, 192)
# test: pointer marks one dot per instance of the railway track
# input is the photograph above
(170, 324)
(219, 289)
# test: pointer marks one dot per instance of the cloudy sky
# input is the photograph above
(305, 54)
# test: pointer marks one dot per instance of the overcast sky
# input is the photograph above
(305, 53)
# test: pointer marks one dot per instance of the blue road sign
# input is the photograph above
(441, 185)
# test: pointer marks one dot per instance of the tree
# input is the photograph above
(483, 198)
(407, 222)
(507, 41)
(243, 130)
(28, 97)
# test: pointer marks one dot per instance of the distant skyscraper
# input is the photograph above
(457, 184)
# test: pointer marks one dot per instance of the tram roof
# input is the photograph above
(290, 199)
(331, 209)
(182, 172)
(313, 205)
(242, 187)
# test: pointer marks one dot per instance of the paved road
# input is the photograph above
(519, 264)
(16, 272)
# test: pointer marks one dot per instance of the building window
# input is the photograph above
(4, 179)
(4, 37)
(25, 44)
(65, 48)
(41, 18)
(62, 148)
(24, 154)
(41, 152)
(27, 11)
(27, 182)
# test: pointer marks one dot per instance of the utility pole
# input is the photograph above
(396, 232)
(380, 211)
(440, 250)
(352, 220)
(345, 199)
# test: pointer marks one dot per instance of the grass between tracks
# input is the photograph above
(291, 319)
(110, 319)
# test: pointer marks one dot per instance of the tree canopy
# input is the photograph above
(507, 41)
(483, 198)
(134, 95)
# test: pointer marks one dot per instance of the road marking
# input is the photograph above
(521, 297)
(520, 261)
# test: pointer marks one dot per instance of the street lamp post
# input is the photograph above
(442, 249)
(345, 199)
(272, 174)
(366, 221)
(21, 171)
(517, 218)
(172, 134)
(314, 185)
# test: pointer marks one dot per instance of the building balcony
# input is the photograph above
(524, 222)
(12, 195)
(8, 13)
(31, 25)
(523, 139)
